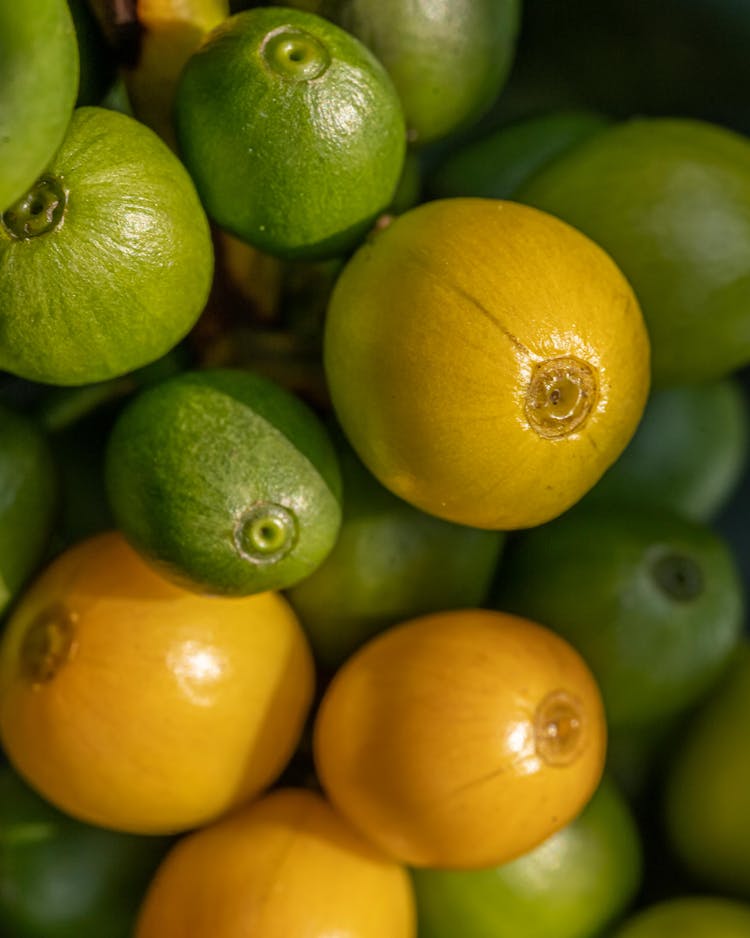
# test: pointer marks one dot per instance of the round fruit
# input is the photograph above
(630, 587)
(390, 562)
(670, 201)
(688, 454)
(133, 704)
(292, 131)
(28, 498)
(60, 878)
(461, 739)
(691, 917)
(285, 866)
(226, 481)
(448, 61)
(495, 166)
(110, 249)
(487, 362)
(570, 886)
(707, 806)
(38, 87)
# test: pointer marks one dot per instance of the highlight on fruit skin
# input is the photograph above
(487, 361)
(461, 740)
(283, 867)
(133, 704)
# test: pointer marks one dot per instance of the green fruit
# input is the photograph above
(448, 61)
(669, 200)
(106, 262)
(28, 498)
(653, 602)
(391, 562)
(688, 454)
(226, 481)
(60, 878)
(38, 86)
(707, 805)
(292, 131)
(571, 886)
(496, 166)
(691, 917)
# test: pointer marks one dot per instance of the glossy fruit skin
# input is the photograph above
(438, 333)
(295, 149)
(658, 588)
(669, 200)
(689, 917)
(390, 562)
(497, 165)
(433, 739)
(28, 500)
(39, 83)
(706, 805)
(192, 705)
(448, 60)
(126, 272)
(285, 866)
(688, 454)
(197, 460)
(63, 879)
(570, 886)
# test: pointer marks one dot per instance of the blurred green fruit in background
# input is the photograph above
(391, 562)
(708, 791)
(669, 200)
(571, 886)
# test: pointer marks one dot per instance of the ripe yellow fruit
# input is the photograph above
(132, 703)
(487, 361)
(461, 739)
(285, 867)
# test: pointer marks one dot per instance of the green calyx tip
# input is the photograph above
(295, 54)
(266, 533)
(38, 212)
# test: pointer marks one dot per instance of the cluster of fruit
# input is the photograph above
(291, 341)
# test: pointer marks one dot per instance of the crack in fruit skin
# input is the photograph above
(561, 395)
(48, 644)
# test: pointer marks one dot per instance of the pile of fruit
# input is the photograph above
(373, 439)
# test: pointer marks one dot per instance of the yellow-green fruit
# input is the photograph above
(487, 361)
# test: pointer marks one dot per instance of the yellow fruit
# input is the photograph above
(461, 739)
(284, 867)
(134, 704)
(487, 361)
